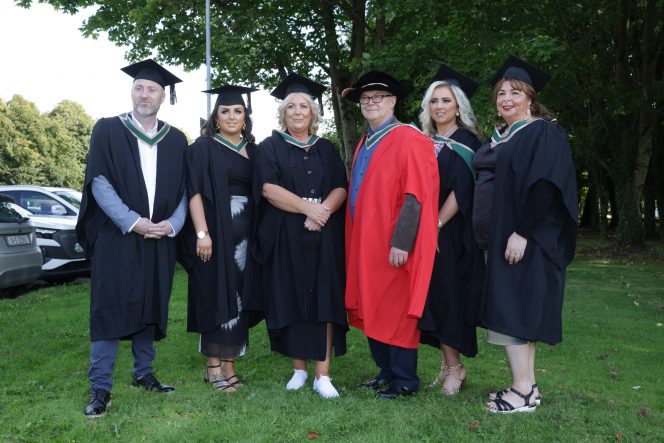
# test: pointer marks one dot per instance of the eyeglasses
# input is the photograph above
(364, 100)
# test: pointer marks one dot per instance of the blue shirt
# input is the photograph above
(124, 218)
(362, 162)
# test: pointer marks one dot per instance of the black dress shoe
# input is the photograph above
(395, 390)
(100, 399)
(150, 382)
(374, 383)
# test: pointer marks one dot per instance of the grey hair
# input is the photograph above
(465, 119)
(313, 105)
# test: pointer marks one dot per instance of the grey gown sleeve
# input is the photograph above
(409, 222)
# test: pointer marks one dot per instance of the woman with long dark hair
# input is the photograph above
(220, 178)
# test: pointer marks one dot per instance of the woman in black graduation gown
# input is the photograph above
(219, 184)
(449, 318)
(525, 215)
(300, 237)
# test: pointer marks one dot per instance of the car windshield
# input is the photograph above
(69, 197)
(8, 214)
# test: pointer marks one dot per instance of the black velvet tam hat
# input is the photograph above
(516, 69)
(151, 70)
(373, 81)
(296, 83)
(449, 75)
(229, 95)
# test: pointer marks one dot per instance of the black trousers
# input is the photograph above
(397, 365)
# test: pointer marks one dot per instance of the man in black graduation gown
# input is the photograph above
(133, 205)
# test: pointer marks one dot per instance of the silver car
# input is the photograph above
(20, 257)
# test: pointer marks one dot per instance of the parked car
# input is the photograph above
(63, 256)
(20, 257)
(71, 195)
(40, 201)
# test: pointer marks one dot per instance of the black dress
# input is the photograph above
(525, 300)
(302, 271)
(217, 296)
(450, 313)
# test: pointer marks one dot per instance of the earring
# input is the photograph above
(498, 114)
(216, 126)
(244, 126)
(528, 112)
(457, 114)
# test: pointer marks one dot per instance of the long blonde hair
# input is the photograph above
(465, 119)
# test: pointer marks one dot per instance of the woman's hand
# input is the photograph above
(311, 225)
(317, 213)
(516, 246)
(204, 248)
(397, 257)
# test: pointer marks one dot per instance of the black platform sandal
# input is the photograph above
(505, 407)
(494, 395)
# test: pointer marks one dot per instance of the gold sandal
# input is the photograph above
(452, 371)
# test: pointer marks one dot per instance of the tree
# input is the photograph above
(43, 149)
(606, 57)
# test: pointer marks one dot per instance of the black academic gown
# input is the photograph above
(212, 290)
(131, 277)
(525, 300)
(278, 246)
(450, 313)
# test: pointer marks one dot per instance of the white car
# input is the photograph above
(71, 195)
(40, 201)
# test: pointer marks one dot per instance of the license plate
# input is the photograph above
(17, 240)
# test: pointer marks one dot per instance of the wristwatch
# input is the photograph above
(202, 234)
(440, 224)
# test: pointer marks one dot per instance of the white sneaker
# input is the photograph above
(323, 386)
(298, 380)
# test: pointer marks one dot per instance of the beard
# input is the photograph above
(146, 109)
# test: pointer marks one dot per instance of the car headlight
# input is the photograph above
(45, 233)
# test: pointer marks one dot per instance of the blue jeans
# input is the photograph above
(104, 352)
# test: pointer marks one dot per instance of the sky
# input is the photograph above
(46, 59)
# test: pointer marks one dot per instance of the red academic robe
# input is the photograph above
(383, 301)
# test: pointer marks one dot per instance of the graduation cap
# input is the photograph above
(373, 81)
(151, 70)
(296, 83)
(449, 75)
(229, 95)
(516, 69)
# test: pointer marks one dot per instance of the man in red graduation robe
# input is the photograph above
(391, 230)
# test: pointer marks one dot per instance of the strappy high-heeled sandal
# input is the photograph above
(206, 379)
(453, 371)
(494, 395)
(440, 378)
(502, 406)
(237, 382)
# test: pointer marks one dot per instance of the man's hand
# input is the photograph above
(159, 230)
(397, 257)
(142, 226)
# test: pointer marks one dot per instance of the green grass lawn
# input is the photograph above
(605, 382)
